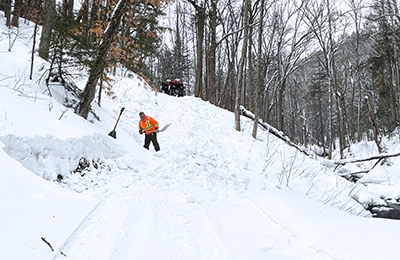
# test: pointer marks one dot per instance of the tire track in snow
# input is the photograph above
(161, 224)
(186, 232)
(273, 240)
(94, 237)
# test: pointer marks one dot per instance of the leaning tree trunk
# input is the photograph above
(98, 66)
(33, 50)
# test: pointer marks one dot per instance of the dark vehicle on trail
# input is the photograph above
(173, 87)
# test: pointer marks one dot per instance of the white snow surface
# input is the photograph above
(210, 193)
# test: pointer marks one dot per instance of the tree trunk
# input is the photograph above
(67, 8)
(100, 89)
(100, 60)
(250, 86)
(242, 63)
(33, 50)
(6, 6)
(259, 71)
(211, 54)
(45, 38)
(200, 21)
(83, 14)
(372, 120)
(17, 12)
(279, 104)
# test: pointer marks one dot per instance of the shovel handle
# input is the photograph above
(120, 113)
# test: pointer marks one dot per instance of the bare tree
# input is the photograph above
(211, 60)
(259, 69)
(356, 15)
(242, 63)
(322, 20)
(292, 42)
(200, 22)
(231, 28)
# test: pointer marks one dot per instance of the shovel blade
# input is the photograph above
(113, 134)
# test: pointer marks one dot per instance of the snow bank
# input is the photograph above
(48, 156)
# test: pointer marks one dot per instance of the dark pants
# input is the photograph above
(151, 138)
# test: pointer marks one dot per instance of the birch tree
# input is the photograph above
(242, 63)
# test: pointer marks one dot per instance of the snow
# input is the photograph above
(210, 193)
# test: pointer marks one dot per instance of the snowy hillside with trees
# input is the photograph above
(70, 191)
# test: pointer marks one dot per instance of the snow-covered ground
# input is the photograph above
(210, 193)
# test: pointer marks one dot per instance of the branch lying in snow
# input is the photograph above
(274, 131)
(355, 176)
(44, 239)
(62, 114)
(373, 157)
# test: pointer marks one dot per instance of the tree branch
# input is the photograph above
(373, 157)
(44, 239)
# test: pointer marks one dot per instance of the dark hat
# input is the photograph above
(141, 113)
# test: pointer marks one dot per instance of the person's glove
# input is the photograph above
(157, 130)
(141, 131)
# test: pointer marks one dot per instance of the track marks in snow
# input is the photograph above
(252, 234)
(137, 238)
(186, 232)
(93, 238)
(185, 201)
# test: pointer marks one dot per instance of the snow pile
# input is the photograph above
(50, 157)
(380, 185)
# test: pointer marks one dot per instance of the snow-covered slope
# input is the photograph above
(210, 193)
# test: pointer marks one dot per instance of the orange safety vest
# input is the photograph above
(149, 125)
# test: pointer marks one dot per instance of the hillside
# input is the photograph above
(210, 193)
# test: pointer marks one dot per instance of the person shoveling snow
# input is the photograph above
(149, 126)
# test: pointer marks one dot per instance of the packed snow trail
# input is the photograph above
(174, 205)
(94, 236)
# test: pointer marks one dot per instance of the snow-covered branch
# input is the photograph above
(274, 131)
(373, 157)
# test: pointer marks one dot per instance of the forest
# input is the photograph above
(325, 73)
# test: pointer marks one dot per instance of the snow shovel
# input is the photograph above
(162, 129)
(113, 133)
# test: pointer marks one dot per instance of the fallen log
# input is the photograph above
(355, 176)
(274, 131)
(373, 157)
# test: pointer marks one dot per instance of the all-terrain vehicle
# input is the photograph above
(173, 87)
